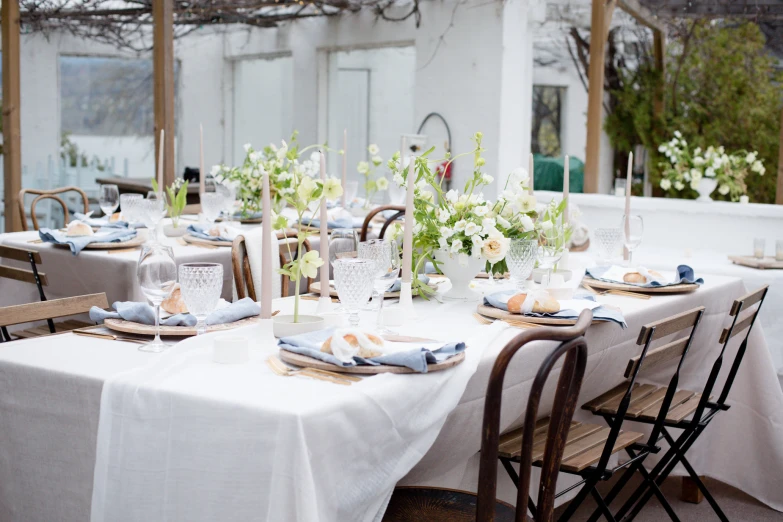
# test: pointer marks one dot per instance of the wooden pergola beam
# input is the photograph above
(12, 140)
(163, 70)
(642, 14)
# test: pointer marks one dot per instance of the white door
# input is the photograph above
(349, 110)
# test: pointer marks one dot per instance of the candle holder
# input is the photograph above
(406, 298)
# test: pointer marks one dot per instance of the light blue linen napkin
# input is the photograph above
(602, 313)
(417, 359)
(78, 243)
(200, 231)
(398, 283)
(685, 275)
(342, 222)
(145, 314)
(99, 222)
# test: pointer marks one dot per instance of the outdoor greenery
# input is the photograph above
(720, 88)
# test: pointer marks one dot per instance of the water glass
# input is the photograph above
(779, 250)
(157, 274)
(228, 195)
(551, 244)
(759, 247)
(128, 206)
(354, 280)
(343, 242)
(109, 199)
(608, 242)
(151, 211)
(351, 190)
(521, 259)
(201, 285)
(211, 205)
(386, 256)
(632, 234)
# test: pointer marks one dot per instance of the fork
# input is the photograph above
(110, 337)
(281, 369)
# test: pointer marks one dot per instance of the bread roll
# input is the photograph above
(543, 305)
(636, 277)
(114, 217)
(174, 303)
(364, 351)
(77, 228)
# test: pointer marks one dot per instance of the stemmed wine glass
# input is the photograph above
(109, 199)
(551, 244)
(386, 256)
(521, 259)
(201, 285)
(157, 273)
(152, 211)
(632, 234)
(354, 280)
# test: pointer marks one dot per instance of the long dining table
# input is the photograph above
(96, 429)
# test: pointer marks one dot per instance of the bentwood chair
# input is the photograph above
(398, 211)
(700, 408)
(243, 278)
(409, 504)
(39, 279)
(589, 447)
(49, 194)
(48, 310)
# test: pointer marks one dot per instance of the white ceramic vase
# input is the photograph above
(172, 231)
(706, 187)
(460, 273)
(284, 325)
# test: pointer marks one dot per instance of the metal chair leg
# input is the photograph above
(616, 489)
(602, 505)
(512, 473)
(577, 501)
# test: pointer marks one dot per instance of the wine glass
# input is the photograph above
(201, 285)
(152, 211)
(521, 259)
(343, 242)
(211, 205)
(633, 229)
(386, 256)
(354, 280)
(551, 244)
(157, 274)
(128, 204)
(109, 199)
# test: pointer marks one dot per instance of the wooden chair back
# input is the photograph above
(398, 214)
(27, 313)
(243, 277)
(22, 274)
(574, 348)
(48, 194)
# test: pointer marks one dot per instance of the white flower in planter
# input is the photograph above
(527, 223)
(495, 249)
(758, 167)
(456, 246)
(751, 157)
(679, 185)
(459, 226)
(471, 228)
(723, 190)
(666, 184)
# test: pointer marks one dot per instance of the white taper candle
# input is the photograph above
(407, 241)
(324, 236)
(267, 248)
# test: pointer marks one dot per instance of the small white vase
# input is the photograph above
(284, 325)
(706, 187)
(459, 273)
(172, 231)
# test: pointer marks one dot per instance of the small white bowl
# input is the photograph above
(284, 325)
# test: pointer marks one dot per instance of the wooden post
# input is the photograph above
(779, 191)
(163, 68)
(690, 491)
(659, 44)
(595, 95)
(12, 141)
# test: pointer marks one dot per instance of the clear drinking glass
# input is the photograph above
(128, 204)
(109, 199)
(387, 267)
(551, 244)
(201, 285)
(521, 259)
(608, 242)
(343, 242)
(632, 234)
(151, 211)
(354, 280)
(228, 195)
(211, 205)
(759, 247)
(157, 273)
(351, 189)
(779, 250)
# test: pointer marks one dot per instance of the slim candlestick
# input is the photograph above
(530, 168)
(324, 238)
(160, 161)
(202, 174)
(566, 187)
(407, 242)
(266, 249)
(345, 165)
(628, 183)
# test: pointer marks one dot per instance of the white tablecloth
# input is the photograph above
(50, 398)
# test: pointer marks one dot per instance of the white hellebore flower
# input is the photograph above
(306, 188)
(456, 246)
(376, 160)
(363, 167)
(527, 202)
(459, 226)
(332, 188)
(723, 190)
(471, 228)
(666, 184)
(518, 177)
(382, 183)
(526, 222)
(373, 149)
(443, 215)
(487, 179)
(399, 180)
(495, 249)
(310, 263)
(427, 195)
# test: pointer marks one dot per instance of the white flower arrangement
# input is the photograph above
(372, 182)
(684, 169)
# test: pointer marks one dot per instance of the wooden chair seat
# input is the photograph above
(415, 504)
(64, 326)
(646, 401)
(584, 445)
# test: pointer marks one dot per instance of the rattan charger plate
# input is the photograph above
(309, 362)
(136, 241)
(497, 313)
(121, 325)
(315, 288)
(199, 241)
(683, 288)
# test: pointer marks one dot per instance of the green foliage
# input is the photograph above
(177, 198)
(720, 89)
(73, 157)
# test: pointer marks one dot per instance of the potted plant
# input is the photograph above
(175, 205)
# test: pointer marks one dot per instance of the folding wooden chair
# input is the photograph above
(399, 212)
(416, 504)
(37, 278)
(49, 194)
(590, 446)
(48, 310)
(703, 409)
